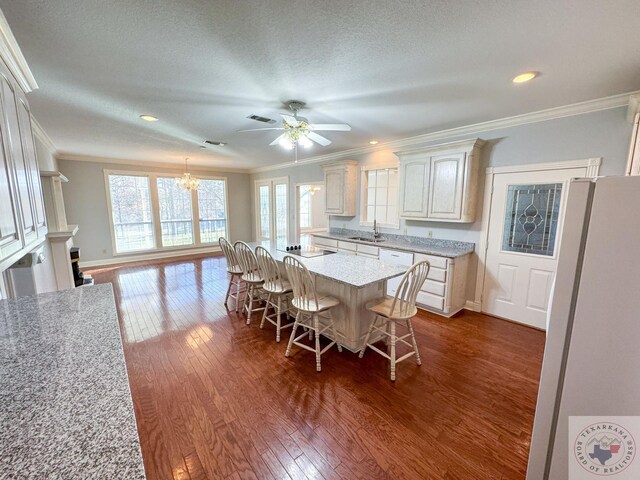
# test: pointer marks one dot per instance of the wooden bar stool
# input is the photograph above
(278, 290)
(251, 276)
(235, 272)
(400, 307)
(309, 306)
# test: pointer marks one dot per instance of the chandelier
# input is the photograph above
(187, 181)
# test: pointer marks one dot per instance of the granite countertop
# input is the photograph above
(429, 246)
(65, 404)
(342, 267)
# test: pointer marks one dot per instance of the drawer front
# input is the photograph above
(393, 257)
(325, 242)
(360, 254)
(437, 274)
(435, 288)
(368, 250)
(349, 246)
(437, 262)
(429, 300)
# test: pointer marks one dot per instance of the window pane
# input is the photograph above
(211, 205)
(281, 212)
(381, 178)
(371, 178)
(131, 213)
(382, 196)
(265, 216)
(371, 196)
(531, 218)
(176, 218)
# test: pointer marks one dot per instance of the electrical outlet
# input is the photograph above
(430, 234)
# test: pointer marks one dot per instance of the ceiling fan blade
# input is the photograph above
(336, 127)
(258, 129)
(277, 140)
(319, 139)
(289, 119)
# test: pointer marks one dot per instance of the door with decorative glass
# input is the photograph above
(527, 211)
(272, 210)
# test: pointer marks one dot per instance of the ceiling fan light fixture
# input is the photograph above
(149, 118)
(286, 143)
(373, 142)
(305, 142)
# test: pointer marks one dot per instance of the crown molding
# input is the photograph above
(142, 163)
(634, 107)
(39, 132)
(12, 55)
(606, 103)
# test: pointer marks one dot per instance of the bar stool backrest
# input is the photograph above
(404, 300)
(233, 265)
(246, 257)
(304, 288)
(269, 271)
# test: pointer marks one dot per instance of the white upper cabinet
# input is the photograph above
(341, 184)
(445, 186)
(414, 198)
(10, 238)
(440, 183)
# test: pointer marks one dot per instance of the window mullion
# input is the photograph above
(195, 217)
(155, 210)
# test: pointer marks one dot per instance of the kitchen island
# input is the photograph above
(65, 404)
(351, 279)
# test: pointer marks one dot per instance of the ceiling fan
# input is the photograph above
(297, 131)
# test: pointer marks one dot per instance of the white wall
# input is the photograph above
(603, 134)
(85, 201)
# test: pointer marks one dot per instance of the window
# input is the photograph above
(131, 214)
(176, 217)
(149, 212)
(212, 211)
(380, 197)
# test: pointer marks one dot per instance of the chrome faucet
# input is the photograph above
(376, 232)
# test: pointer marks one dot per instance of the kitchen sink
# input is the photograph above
(367, 239)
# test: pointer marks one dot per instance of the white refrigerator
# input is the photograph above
(591, 363)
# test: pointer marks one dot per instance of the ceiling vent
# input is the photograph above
(258, 118)
(212, 142)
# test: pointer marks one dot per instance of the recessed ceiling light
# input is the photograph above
(149, 118)
(524, 77)
(373, 142)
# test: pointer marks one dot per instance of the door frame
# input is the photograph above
(296, 223)
(592, 169)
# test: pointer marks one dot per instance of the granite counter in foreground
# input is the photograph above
(65, 405)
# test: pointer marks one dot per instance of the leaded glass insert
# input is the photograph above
(532, 218)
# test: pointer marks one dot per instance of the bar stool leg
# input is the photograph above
(250, 311)
(293, 334)
(393, 349)
(366, 339)
(266, 308)
(238, 289)
(226, 297)
(413, 340)
(278, 314)
(316, 325)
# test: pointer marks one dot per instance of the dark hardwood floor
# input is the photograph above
(216, 399)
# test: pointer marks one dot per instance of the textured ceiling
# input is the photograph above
(390, 69)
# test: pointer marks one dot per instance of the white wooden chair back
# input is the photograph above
(233, 265)
(246, 257)
(304, 288)
(268, 269)
(404, 300)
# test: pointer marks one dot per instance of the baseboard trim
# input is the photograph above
(473, 306)
(150, 256)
